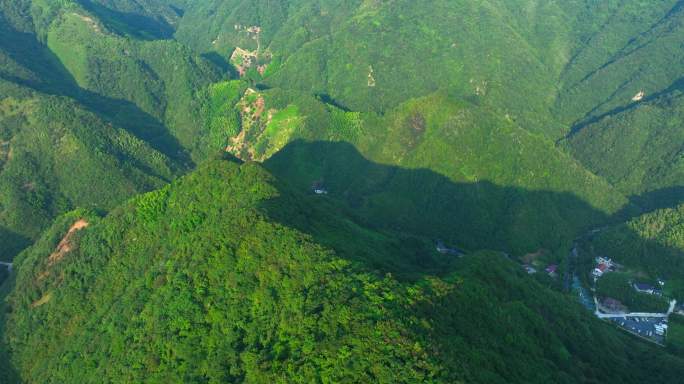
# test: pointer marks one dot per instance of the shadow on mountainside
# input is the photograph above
(668, 197)
(420, 202)
(11, 243)
(592, 118)
(417, 207)
(660, 198)
(138, 25)
(426, 207)
(54, 79)
(488, 323)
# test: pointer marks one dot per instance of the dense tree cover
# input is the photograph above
(146, 19)
(675, 335)
(550, 67)
(639, 149)
(634, 49)
(347, 151)
(55, 156)
(552, 51)
(90, 114)
(197, 283)
(445, 102)
(425, 121)
(160, 77)
(428, 116)
(222, 120)
(652, 244)
(89, 51)
(8, 374)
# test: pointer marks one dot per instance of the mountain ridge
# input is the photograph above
(181, 212)
(417, 184)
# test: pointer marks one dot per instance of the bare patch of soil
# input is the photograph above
(89, 20)
(43, 300)
(65, 246)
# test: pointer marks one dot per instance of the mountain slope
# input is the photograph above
(552, 67)
(383, 128)
(56, 155)
(86, 55)
(639, 149)
(89, 117)
(365, 161)
(146, 19)
(635, 50)
(159, 77)
(365, 56)
(196, 282)
(534, 56)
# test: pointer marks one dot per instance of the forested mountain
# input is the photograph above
(207, 281)
(551, 67)
(56, 156)
(290, 53)
(364, 57)
(89, 115)
(353, 136)
(639, 149)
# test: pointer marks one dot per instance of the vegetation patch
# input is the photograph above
(620, 286)
(675, 334)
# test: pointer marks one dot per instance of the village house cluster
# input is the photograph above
(551, 269)
(651, 326)
(318, 188)
(603, 266)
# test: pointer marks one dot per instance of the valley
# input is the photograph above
(335, 191)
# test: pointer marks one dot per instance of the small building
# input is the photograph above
(529, 269)
(600, 270)
(605, 260)
(443, 249)
(551, 270)
(639, 96)
(319, 189)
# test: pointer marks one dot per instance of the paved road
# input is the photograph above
(673, 304)
(8, 265)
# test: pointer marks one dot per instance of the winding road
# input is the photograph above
(673, 304)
